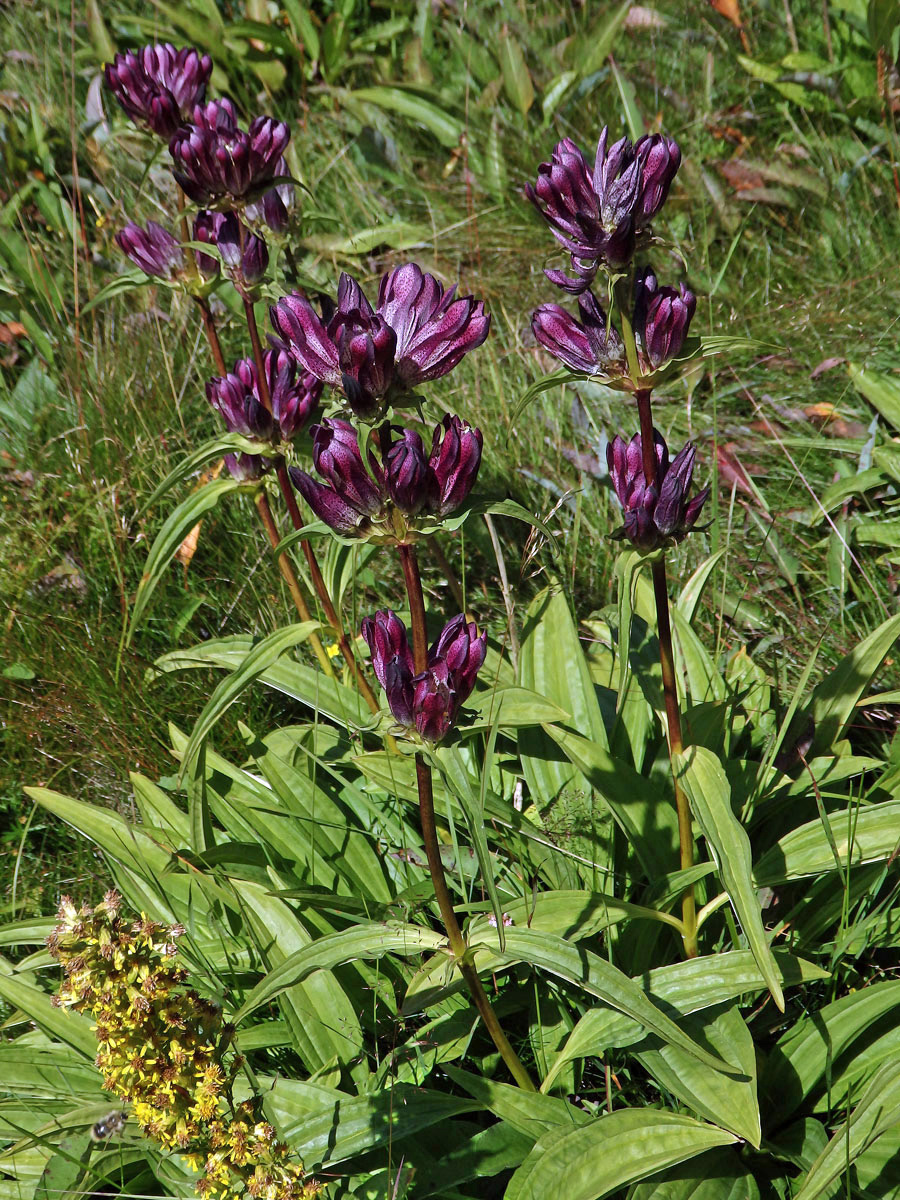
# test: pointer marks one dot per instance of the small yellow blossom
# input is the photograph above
(163, 1048)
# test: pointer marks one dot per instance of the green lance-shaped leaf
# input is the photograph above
(512, 708)
(228, 443)
(869, 834)
(175, 529)
(610, 1153)
(62, 1024)
(321, 1018)
(447, 129)
(882, 392)
(729, 1101)
(517, 82)
(350, 1127)
(716, 1175)
(805, 1054)
(593, 50)
(834, 700)
(709, 794)
(597, 977)
(326, 697)
(362, 941)
(259, 660)
(686, 987)
(27, 932)
(876, 1112)
(531, 1113)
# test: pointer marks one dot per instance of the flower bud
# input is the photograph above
(244, 255)
(657, 513)
(665, 326)
(591, 345)
(431, 700)
(205, 231)
(392, 661)
(406, 473)
(454, 462)
(153, 249)
(236, 398)
(659, 158)
(337, 458)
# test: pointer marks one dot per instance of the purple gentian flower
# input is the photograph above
(417, 333)
(662, 317)
(591, 345)
(598, 215)
(158, 86)
(354, 499)
(430, 701)
(153, 249)
(237, 398)
(217, 162)
(659, 513)
(351, 497)
(244, 255)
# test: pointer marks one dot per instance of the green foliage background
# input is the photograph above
(414, 129)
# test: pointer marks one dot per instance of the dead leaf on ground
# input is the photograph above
(732, 471)
(639, 17)
(65, 577)
(731, 11)
(826, 417)
(827, 364)
(188, 547)
(10, 330)
(779, 362)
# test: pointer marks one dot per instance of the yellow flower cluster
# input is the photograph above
(165, 1050)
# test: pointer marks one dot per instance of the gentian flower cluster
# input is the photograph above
(428, 702)
(660, 320)
(237, 398)
(232, 172)
(655, 514)
(385, 486)
(220, 165)
(598, 215)
(162, 1048)
(602, 217)
(159, 86)
(417, 332)
(383, 502)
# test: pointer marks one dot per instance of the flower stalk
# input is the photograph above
(263, 507)
(296, 516)
(458, 946)
(670, 686)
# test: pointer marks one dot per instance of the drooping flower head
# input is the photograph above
(219, 164)
(383, 498)
(158, 86)
(153, 249)
(598, 215)
(430, 701)
(659, 513)
(418, 332)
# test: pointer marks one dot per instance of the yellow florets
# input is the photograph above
(163, 1048)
